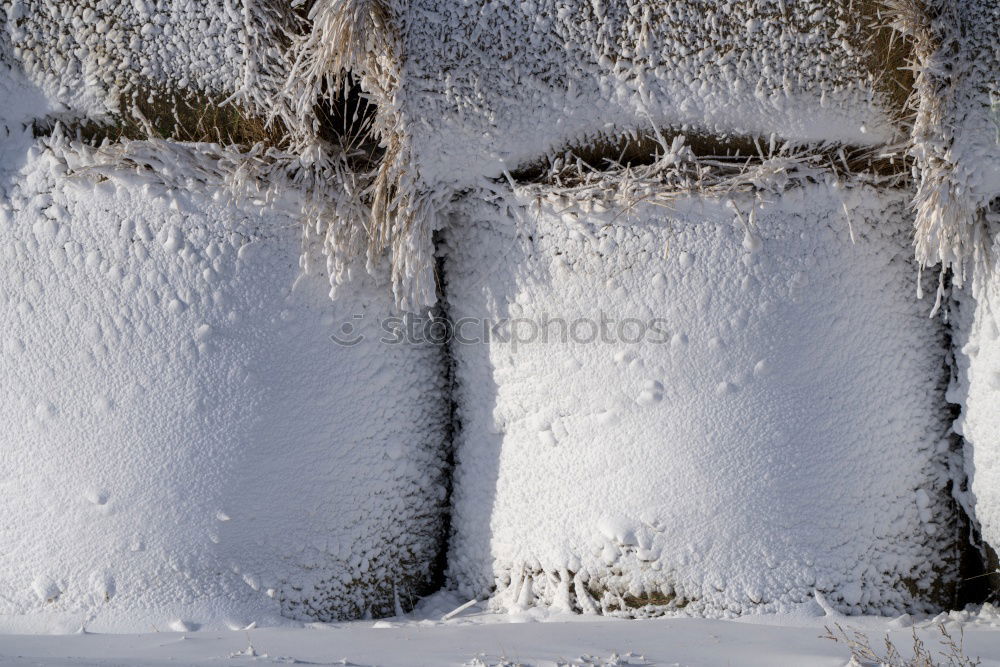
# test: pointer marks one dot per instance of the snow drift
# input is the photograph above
(183, 442)
(721, 404)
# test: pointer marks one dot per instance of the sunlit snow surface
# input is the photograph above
(178, 428)
(777, 428)
(475, 637)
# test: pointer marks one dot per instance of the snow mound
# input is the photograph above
(185, 445)
(708, 405)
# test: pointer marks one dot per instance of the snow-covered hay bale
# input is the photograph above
(684, 402)
(491, 76)
(956, 147)
(184, 444)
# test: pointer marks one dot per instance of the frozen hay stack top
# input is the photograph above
(184, 445)
(492, 76)
(726, 405)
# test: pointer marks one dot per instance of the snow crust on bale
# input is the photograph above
(956, 133)
(90, 54)
(184, 445)
(781, 438)
(976, 326)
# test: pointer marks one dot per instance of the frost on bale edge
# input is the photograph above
(955, 140)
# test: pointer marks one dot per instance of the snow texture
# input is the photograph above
(778, 432)
(184, 444)
(956, 134)
(492, 85)
(976, 327)
(88, 54)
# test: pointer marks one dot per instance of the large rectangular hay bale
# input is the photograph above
(764, 425)
(184, 445)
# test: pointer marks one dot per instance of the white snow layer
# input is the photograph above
(184, 445)
(777, 433)
(540, 638)
(976, 326)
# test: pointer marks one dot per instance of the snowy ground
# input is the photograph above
(477, 637)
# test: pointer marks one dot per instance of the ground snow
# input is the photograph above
(477, 639)
(184, 444)
(786, 426)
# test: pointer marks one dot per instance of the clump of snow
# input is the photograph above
(976, 337)
(23, 102)
(748, 412)
(185, 446)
